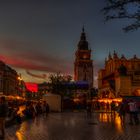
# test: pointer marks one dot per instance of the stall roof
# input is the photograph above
(137, 98)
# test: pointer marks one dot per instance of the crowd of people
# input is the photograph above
(33, 109)
(131, 107)
(14, 111)
(126, 107)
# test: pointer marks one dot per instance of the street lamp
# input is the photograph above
(19, 84)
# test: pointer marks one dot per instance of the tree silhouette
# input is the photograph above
(58, 83)
(123, 9)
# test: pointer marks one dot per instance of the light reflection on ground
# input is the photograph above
(74, 126)
(111, 118)
(21, 109)
(19, 136)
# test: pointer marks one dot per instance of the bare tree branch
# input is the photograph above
(120, 9)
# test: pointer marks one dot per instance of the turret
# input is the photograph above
(115, 56)
(109, 56)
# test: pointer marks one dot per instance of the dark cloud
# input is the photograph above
(22, 1)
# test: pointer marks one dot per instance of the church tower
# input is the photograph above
(83, 65)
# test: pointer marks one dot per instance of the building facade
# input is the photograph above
(120, 76)
(83, 65)
(8, 80)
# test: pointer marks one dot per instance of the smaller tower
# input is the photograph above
(109, 56)
(115, 56)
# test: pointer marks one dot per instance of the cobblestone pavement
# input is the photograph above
(74, 126)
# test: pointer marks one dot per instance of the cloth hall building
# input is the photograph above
(119, 77)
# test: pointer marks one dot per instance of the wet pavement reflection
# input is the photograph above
(74, 126)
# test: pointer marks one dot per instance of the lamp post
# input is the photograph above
(19, 85)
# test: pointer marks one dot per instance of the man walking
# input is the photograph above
(89, 109)
(133, 111)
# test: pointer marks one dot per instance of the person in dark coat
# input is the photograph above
(89, 109)
(122, 111)
(3, 114)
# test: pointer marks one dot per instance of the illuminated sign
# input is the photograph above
(32, 87)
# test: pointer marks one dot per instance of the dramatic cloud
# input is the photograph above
(24, 55)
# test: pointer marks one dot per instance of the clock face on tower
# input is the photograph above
(85, 56)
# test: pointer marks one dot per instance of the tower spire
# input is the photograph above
(83, 29)
(109, 56)
(115, 55)
(83, 44)
(83, 35)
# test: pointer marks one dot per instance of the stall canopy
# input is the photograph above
(54, 101)
(135, 98)
(79, 84)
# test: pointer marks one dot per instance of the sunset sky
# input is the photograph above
(41, 36)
